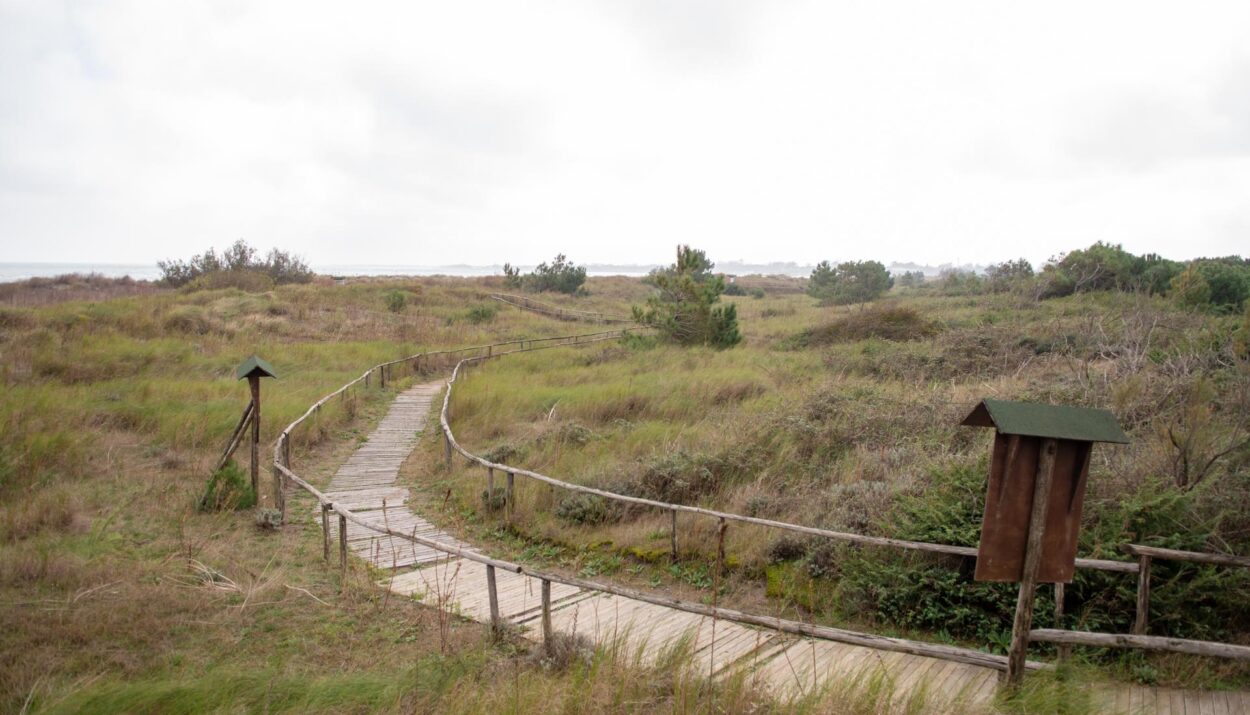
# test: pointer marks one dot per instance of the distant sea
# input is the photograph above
(149, 271)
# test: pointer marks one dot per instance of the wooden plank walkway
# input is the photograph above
(790, 665)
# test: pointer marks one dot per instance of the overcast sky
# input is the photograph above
(479, 132)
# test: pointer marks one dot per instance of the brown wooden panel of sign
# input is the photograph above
(1009, 501)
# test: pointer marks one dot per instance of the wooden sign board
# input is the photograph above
(1009, 502)
(1021, 428)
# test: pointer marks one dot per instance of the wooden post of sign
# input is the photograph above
(1143, 595)
(1032, 560)
(253, 381)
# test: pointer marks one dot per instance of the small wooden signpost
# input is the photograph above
(253, 368)
(1033, 507)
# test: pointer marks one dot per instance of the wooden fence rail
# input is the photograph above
(1145, 557)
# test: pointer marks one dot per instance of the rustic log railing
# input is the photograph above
(555, 311)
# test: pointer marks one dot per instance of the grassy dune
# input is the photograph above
(847, 418)
(118, 595)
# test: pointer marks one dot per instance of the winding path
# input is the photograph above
(366, 484)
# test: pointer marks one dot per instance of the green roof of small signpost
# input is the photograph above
(1052, 421)
(255, 366)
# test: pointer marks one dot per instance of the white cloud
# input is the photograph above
(428, 133)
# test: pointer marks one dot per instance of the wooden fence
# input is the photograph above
(285, 476)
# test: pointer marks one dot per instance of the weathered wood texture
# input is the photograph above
(1196, 557)
(236, 437)
(1153, 643)
(1036, 527)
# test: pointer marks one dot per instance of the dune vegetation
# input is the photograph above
(847, 418)
(121, 595)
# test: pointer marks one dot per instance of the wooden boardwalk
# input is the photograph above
(790, 665)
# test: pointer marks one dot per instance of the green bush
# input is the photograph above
(229, 489)
(588, 509)
(241, 260)
(685, 310)
(849, 282)
(938, 593)
(560, 276)
(494, 499)
(481, 313)
(734, 289)
(396, 301)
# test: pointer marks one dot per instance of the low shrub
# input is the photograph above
(887, 322)
(787, 548)
(229, 489)
(481, 313)
(396, 301)
(494, 499)
(586, 509)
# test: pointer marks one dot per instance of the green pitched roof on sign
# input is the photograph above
(255, 367)
(1051, 421)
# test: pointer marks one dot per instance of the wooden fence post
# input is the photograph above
(1063, 650)
(672, 537)
(368, 375)
(447, 450)
(490, 486)
(509, 495)
(1023, 621)
(1143, 596)
(279, 479)
(548, 636)
(494, 601)
(325, 532)
(382, 378)
(720, 549)
(343, 548)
